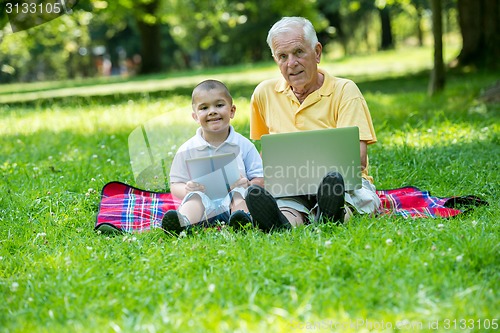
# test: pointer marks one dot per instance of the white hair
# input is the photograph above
(288, 24)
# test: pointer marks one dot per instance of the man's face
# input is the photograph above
(297, 60)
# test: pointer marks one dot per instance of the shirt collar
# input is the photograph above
(201, 144)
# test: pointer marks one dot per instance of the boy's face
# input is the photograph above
(213, 110)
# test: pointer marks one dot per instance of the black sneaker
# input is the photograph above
(264, 210)
(170, 223)
(331, 197)
(239, 219)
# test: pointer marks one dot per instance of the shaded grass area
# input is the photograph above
(57, 274)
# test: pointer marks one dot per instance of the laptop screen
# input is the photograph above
(295, 163)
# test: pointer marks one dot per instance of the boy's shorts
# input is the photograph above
(216, 210)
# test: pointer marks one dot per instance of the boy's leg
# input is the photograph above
(238, 203)
(193, 209)
(239, 214)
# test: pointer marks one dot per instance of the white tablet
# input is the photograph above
(217, 173)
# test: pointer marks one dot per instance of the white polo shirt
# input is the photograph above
(247, 156)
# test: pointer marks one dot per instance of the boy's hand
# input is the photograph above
(193, 186)
(242, 182)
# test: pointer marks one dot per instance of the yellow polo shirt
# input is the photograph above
(338, 103)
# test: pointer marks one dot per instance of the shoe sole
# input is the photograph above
(263, 208)
(330, 203)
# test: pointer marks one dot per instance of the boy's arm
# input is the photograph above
(180, 190)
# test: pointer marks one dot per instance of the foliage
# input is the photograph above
(57, 274)
(192, 34)
(54, 50)
(228, 31)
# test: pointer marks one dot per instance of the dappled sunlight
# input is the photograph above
(439, 135)
(79, 158)
(368, 68)
(93, 119)
(404, 60)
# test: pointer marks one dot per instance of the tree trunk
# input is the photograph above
(437, 80)
(420, 32)
(151, 42)
(335, 19)
(480, 26)
(385, 20)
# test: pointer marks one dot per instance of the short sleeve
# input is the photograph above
(258, 126)
(354, 112)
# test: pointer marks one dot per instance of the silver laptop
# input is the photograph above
(295, 163)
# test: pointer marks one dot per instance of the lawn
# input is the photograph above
(62, 141)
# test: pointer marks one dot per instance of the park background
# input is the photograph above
(73, 89)
(126, 37)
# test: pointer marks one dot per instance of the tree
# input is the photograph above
(201, 28)
(419, 6)
(150, 29)
(57, 49)
(335, 30)
(261, 15)
(437, 81)
(4, 19)
(479, 22)
(354, 22)
(144, 17)
(386, 31)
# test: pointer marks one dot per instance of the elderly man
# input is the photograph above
(308, 98)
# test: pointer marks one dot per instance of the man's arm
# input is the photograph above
(363, 153)
(258, 126)
(257, 181)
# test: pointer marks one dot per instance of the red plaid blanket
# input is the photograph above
(129, 209)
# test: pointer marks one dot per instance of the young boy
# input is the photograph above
(213, 110)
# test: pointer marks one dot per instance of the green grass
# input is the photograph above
(57, 275)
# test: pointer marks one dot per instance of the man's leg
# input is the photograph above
(293, 216)
(364, 200)
(330, 197)
(264, 210)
